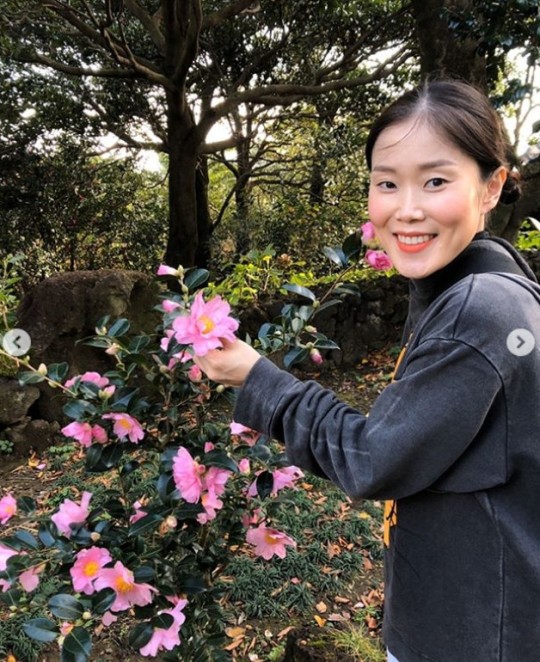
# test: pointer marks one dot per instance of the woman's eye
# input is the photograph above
(386, 186)
(436, 182)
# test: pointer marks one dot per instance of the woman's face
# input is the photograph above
(427, 198)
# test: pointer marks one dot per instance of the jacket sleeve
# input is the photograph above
(417, 430)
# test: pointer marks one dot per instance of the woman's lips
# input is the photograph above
(414, 243)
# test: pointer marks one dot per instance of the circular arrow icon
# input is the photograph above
(520, 342)
(16, 342)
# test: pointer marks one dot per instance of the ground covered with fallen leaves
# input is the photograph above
(291, 607)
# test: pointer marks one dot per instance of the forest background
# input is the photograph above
(257, 112)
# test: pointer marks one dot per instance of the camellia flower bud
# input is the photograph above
(171, 521)
(113, 349)
(42, 369)
(95, 536)
(86, 616)
(315, 356)
(220, 388)
(310, 329)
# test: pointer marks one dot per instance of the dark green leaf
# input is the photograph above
(352, 245)
(146, 523)
(48, 533)
(102, 600)
(78, 409)
(77, 646)
(192, 585)
(144, 574)
(163, 621)
(299, 289)
(66, 607)
(336, 255)
(58, 371)
(220, 459)
(264, 484)
(26, 505)
(195, 278)
(138, 343)
(140, 635)
(11, 597)
(26, 539)
(129, 467)
(119, 328)
(30, 378)
(326, 344)
(294, 356)
(41, 629)
(102, 458)
(327, 304)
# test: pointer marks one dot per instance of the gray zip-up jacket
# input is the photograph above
(455, 439)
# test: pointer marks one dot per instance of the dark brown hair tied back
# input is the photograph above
(511, 191)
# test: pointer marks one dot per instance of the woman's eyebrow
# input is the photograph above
(429, 165)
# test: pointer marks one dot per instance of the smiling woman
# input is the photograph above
(452, 443)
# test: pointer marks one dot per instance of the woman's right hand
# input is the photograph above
(229, 365)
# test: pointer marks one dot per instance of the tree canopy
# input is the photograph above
(161, 74)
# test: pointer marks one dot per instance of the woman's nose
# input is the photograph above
(409, 207)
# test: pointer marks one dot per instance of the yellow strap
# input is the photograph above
(390, 506)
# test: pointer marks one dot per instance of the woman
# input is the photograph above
(454, 441)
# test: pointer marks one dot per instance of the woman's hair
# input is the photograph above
(464, 116)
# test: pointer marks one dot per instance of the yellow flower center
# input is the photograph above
(207, 324)
(124, 423)
(271, 538)
(123, 586)
(91, 568)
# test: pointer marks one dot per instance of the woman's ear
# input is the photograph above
(493, 189)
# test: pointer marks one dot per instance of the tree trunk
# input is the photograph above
(442, 52)
(204, 223)
(183, 238)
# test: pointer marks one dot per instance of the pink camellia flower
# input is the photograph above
(139, 513)
(105, 393)
(195, 374)
(5, 554)
(214, 481)
(72, 513)
(269, 542)
(168, 305)
(122, 581)
(164, 270)
(378, 260)
(285, 477)
(164, 343)
(108, 619)
(247, 435)
(8, 508)
(87, 567)
(29, 579)
(126, 426)
(166, 639)
(187, 475)
(93, 377)
(211, 504)
(243, 466)
(369, 238)
(85, 433)
(205, 325)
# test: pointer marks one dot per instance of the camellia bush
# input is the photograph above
(183, 487)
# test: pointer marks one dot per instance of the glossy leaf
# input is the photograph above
(41, 629)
